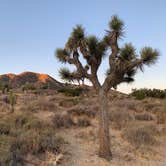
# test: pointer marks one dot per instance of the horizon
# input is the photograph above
(31, 31)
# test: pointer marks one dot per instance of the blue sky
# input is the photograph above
(31, 30)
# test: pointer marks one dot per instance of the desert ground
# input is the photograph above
(49, 128)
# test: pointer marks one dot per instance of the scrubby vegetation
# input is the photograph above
(24, 134)
(141, 135)
(71, 91)
(143, 93)
(41, 122)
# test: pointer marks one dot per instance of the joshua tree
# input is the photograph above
(123, 64)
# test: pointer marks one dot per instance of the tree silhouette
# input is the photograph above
(123, 64)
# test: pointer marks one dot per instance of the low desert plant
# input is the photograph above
(144, 117)
(83, 122)
(120, 119)
(69, 102)
(71, 91)
(141, 135)
(142, 93)
(21, 135)
(62, 121)
(81, 111)
(12, 100)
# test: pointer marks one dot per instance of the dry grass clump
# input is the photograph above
(38, 105)
(66, 121)
(21, 135)
(83, 122)
(120, 119)
(4, 107)
(129, 104)
(159, 111)
(141, 135)
(144, 117)
(81, 111)
(161, 117)
(60, 120)
(44, 104)
(69, 102)
(4, 128)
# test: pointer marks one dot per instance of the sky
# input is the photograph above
(31, 30)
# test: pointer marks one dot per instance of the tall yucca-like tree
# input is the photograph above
(123, 65)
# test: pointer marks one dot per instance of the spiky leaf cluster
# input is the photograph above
(76, 39)
(116, 24)
(65, 74)
(61, 55)
(149, 55)
(128, 52)
(96, 47)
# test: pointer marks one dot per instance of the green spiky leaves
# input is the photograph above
(116, 24)
(76, 39)
(96, 47)
(128, 52)
(65, 74)
(78, 33)
(149, 55)
(61, 55)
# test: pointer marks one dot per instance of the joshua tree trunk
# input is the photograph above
(104, 138)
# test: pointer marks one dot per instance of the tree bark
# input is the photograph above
(104, 137)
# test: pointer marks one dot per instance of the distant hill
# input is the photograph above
(37, 79)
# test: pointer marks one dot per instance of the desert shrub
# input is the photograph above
(150, 106)
(141, 135)
(27, 87)
(38, 105)
(5, 88)
(144, 117)
(4, 128)
(30, 107)
(120, 118)
(62, 121)
(81, 111)
(71, 91)
(126, 103)
(4, 107)
(44, 104)
(161, 117)
(83, 122)
(12, 100)
(36, 142)
(25, 136)
(69, 102)
(158, 110)
(142, 93)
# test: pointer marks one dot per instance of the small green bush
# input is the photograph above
(71, 91)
